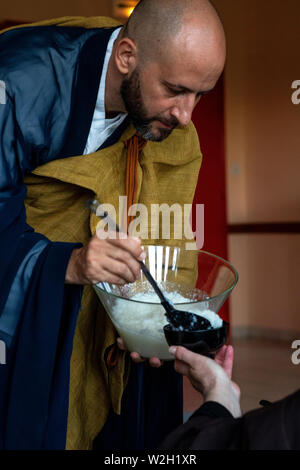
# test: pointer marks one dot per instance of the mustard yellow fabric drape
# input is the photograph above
(167, 173)
(82, 21)
(55, 206)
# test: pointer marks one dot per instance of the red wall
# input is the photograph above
(208, 119)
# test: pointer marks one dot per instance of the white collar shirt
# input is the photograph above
(102, 128)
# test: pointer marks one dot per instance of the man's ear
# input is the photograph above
(126, 56)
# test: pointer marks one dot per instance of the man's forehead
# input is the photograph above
(177, 86)
(186, 77)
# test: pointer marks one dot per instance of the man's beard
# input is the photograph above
(133, 101)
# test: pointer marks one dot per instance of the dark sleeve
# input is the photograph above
(276, 427)
(38, 311)
(210, 427)
(20, 246)
(212, 409)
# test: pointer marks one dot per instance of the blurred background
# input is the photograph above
(250, 136)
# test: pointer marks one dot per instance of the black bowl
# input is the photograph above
(205, 342)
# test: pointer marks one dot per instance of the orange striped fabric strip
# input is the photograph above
(134, 146)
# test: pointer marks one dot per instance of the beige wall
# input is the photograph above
(263, 138)
(267, 297)
(263, 159)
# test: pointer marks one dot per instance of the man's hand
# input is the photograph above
(154, 361)
(113, 260)
(210, 377)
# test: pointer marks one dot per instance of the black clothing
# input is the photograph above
(212, 427)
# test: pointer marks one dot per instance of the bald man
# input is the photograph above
(78, 93)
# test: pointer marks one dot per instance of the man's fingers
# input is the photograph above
(126, 250)
(124, 257)
(107, 260)
(131, 244)
(121, 344)
(137, 358)
(155, 362)
(119, 269)
(112, 279)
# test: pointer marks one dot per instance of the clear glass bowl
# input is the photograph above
(140, 321)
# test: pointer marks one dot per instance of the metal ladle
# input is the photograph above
(179, 319)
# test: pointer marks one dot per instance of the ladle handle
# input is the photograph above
(153, 283)
(96, 207)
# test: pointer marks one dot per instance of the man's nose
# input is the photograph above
(183, 109)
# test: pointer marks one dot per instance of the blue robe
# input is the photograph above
(51, 76)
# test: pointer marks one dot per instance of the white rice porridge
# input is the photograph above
(141, 325)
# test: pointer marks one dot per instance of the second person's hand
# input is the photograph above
(210, 377)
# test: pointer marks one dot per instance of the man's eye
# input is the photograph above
(173, 92)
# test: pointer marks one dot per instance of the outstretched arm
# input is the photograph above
(210, 377)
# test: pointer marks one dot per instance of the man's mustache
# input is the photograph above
(173, 122)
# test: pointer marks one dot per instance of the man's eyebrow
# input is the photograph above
(185, 89)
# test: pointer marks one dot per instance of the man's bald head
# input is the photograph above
(156, 25)
(169, 54)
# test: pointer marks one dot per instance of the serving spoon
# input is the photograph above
(179, 319)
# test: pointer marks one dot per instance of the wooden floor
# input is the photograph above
(263, 369)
